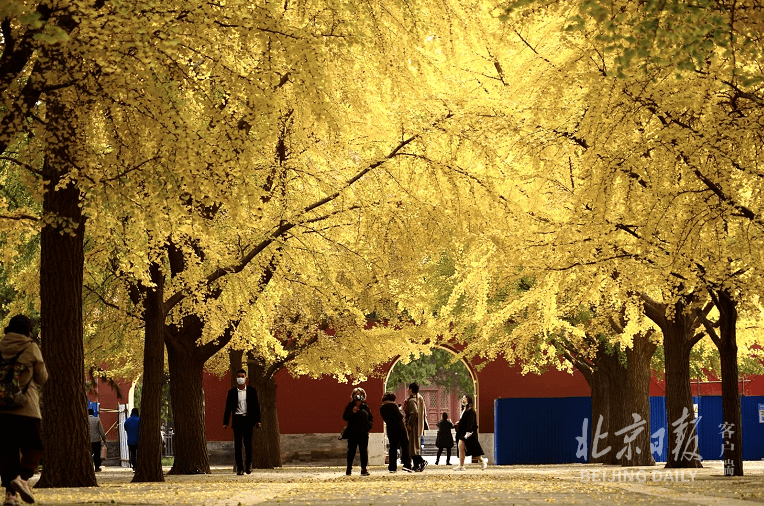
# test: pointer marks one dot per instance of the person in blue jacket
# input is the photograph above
(132, 428)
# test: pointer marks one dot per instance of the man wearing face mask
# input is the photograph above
(242, 402)
(360, 421)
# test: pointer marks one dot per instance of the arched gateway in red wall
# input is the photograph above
(310, 410)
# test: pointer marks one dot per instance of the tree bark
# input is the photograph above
(679, 336)
(637, 400)
(266, 441)
(732, 432)
(618, 410)
(187, 398)
(600, 386)
(149, 467)
(66, 436)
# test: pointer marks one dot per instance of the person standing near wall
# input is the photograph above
(467, 435)
(359, 418)
(444, 439)
(416, 413)
(97, 436)
(132, 429)
(242, 402)
(396, 433)
(20, 442)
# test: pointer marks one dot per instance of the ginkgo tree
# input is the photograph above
(142, 110)
(668, 153)
(220, 247)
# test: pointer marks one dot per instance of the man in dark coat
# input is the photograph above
(360, 420)
(396, 433)
(242, 403)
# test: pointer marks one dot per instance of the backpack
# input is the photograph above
(12, 396)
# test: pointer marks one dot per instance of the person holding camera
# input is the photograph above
(359, 419)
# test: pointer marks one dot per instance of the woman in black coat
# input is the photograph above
(466, 435)
(359, 419)
(396, 433)
(444, 439)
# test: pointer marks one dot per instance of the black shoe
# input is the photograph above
(408, 469)
(248, 470)
(240, 473)
(436, 462)
(365, 473)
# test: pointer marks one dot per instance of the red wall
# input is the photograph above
(305, 405)
(497, 381)
(309, 405)
(215, 390)
(107, 397)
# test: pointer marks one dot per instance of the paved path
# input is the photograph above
(581, 484)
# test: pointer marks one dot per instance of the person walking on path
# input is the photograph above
(396, 433)
(416, 413)
(132, 429)
(20, 442)
(359, 419)
(444, 439)
(242, 402)
(467, 436)
(97, 436)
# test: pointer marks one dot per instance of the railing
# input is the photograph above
(168, 447)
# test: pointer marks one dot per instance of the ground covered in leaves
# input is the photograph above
(325, 486)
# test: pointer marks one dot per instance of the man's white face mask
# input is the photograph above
(241, 381)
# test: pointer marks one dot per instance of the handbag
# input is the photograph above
(103, 452)
(344, 433)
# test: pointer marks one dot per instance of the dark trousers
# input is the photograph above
(448, 455)
(242, 433)
(20, 447)
(133, 449)
(362, 442)
(95, 449)
(397, 440)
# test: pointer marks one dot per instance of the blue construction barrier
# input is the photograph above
(538, 431)
(550, 430)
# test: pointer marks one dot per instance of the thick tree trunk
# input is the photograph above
(732, 431)
(266, 441)
(637, 401)
(678, 339)
(149, 467)
(66, 436)
(682, 452)
(186, 357)
(600, 386)
(187, 397)
(619, 416)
